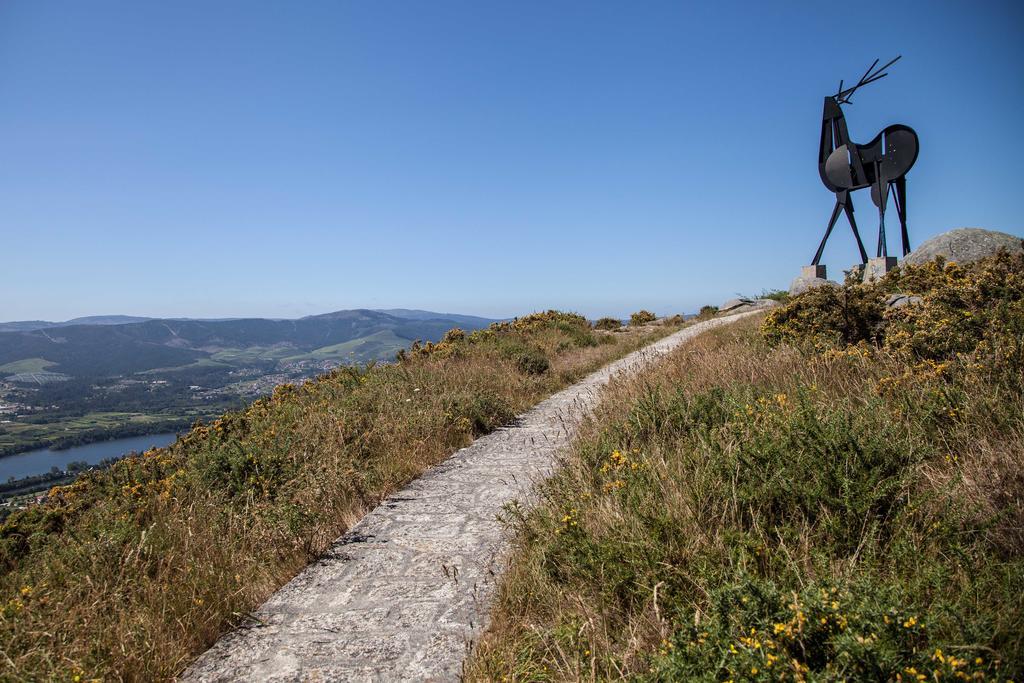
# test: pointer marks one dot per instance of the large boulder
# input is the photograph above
(964, 245)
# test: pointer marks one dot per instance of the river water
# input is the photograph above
(40, 461)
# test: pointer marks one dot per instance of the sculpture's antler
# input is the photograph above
(870, 76)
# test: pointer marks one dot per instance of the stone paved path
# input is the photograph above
(404, 593)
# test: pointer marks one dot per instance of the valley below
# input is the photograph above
(66, 385)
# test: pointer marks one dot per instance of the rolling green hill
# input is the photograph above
(28, 325)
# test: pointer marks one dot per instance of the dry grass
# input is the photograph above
(129, 573)
(748, 511)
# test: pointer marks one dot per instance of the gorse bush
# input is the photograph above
(965, 310)
(545, 320)
(707, 312)
(836, 498)
(131, 571)
(832, 316)
(642, 318)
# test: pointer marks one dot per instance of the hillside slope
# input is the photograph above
(27, 325)
(836, 496)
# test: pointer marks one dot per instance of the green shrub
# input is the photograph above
(608, 324)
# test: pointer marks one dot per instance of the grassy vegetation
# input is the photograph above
(195, 365)
(837, 495)
(130, 572)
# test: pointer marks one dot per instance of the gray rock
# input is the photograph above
(732, 304)
(901, 300)
(964, 245)
(803, 284)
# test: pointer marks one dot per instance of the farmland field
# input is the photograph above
(23, 435)
(28, 365)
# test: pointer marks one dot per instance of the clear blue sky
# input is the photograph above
(200, 158)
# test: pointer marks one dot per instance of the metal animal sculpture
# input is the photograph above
(881, 164)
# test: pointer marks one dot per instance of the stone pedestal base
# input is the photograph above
(878, 267)
(811, 272)
(810, 277)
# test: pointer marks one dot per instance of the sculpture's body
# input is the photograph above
(881, 164)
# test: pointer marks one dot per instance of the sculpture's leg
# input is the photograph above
(882, 187)
(899, 196)
(828, 230)
(848, 206)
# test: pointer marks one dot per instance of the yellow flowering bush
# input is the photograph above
(642, 317)
(959, 310)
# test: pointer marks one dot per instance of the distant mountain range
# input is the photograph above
(404, 313)
(103, 346)
(29, 325)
